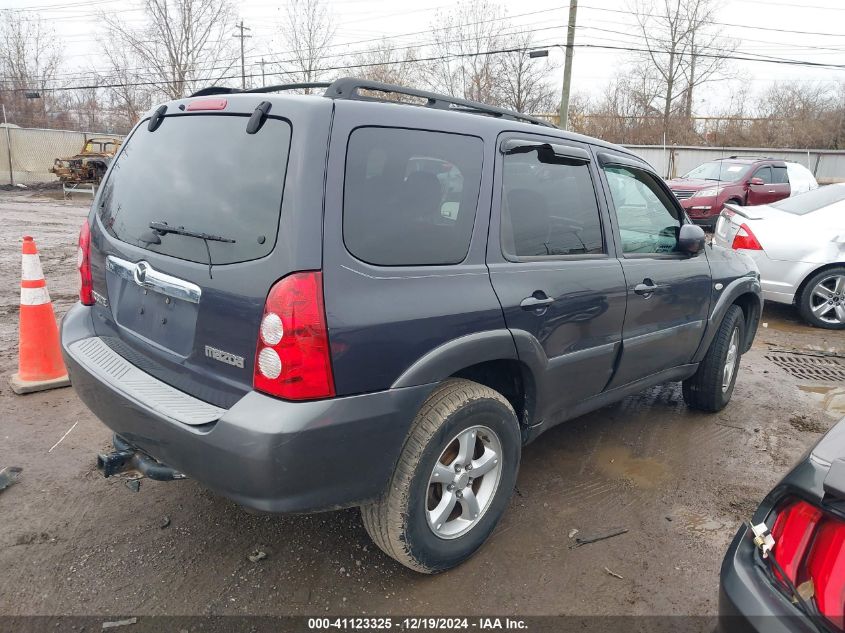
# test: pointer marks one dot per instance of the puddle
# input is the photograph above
(702, 523)
(617, 462)
(831, 398)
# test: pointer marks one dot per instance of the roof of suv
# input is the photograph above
(379, 95)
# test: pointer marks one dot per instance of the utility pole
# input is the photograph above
(241, 28)
(8, 147)
(567, 67)
(263, 80)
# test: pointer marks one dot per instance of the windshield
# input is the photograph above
(812, 200)
(203, 173)
(720, 170)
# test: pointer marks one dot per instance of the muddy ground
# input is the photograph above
(680, 482)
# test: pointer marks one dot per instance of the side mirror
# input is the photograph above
(756, 181)
(691, 239)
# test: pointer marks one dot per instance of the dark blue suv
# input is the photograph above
(377, 296)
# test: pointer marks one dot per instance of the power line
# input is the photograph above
(447, 57)
(742, 26)
(257, 56)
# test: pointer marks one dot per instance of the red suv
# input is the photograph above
(705, 190)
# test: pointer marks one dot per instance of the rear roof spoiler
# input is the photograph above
(747, 212)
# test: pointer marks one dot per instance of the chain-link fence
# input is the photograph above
(27, 154)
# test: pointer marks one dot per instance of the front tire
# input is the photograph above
(712, 385)
(453, 480)
(822, 301)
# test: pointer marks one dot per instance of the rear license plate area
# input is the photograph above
(165, 321)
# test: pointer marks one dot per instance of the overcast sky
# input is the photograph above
(809, 30)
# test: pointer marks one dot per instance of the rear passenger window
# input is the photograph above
(548, 206)
(780, 175)
(410, 196)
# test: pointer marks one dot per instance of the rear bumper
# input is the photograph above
(747, 600)
(264, 453)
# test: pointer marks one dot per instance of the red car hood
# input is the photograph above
(692, 184)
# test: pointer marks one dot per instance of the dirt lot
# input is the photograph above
(680, 482)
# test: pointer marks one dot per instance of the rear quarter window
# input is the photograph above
(410, 196)
(203, 173)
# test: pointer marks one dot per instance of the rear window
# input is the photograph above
(410, 196)
(203, 173)
(813, 200)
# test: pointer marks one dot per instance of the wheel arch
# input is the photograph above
(511, 378)
(751, 310)
(744, 290)
(488, 358)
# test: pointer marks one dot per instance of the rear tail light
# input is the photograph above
(83, 264)
(745, 239)
(826, 566)
(292, 357)
(793, 531)
(810, 545)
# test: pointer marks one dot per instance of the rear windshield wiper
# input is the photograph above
(163, 228)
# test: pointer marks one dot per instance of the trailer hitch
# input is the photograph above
(130, 460)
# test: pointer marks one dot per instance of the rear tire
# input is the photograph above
(711, 387)
(413, 521)
(822, 301)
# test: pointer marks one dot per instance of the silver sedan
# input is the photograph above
(799, 246)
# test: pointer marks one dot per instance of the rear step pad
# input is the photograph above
(114, 370)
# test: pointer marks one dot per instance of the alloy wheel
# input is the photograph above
(463, 482)
(827, 300)
(731, 360)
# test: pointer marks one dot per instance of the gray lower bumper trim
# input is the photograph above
(111, 368)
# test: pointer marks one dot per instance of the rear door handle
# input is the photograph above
(533, 302)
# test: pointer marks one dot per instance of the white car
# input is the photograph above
(799, 246)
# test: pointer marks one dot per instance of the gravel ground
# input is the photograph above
(680, 482)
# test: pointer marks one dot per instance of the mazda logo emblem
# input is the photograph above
(141, 272)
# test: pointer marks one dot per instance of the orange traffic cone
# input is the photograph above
(40, 364)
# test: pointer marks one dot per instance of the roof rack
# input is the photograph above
(751, 157)
(222, 90)
(350, 88)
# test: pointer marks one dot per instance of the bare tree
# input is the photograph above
(799, 115)
(183, 45)
(679, 40)
(127, 95)
(388, 64)
(308, 31)
(463, 38)
(524, 83)
(29, 62)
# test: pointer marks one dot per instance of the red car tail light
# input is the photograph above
(826, 566)
(745, 239)
(292, 356)
(810, 545)
(83, 265)
(793, 531)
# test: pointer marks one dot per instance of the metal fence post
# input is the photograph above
(8, 147)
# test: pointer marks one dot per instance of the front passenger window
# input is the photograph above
(765, 173)
(648, 221)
